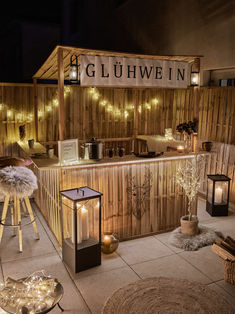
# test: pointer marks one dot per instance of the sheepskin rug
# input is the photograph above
(206, 236)
(17, 181)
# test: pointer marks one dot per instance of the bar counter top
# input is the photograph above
(40, 159)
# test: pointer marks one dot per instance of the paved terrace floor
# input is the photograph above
(152, 256)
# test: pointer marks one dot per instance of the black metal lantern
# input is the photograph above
(194, 79)
(81, 228)
(73, 71)
(217, 198)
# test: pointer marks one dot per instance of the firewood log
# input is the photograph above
(230, 240)
(223, 253)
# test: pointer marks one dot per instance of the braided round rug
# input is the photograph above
(166, 296)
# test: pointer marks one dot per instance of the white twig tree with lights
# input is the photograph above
(188, 178)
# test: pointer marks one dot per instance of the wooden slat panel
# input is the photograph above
(120, 207)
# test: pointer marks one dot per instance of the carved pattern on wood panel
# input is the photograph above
(139, 194)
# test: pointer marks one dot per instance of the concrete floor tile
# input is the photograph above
(222, 292)
(87, 291)
(206, 261)
(226, 226)
(141, 250)
(170, 266)
(230, 288)
(97, 288)
(72, 300)
(163, 237)
(31, 246)
(47, 229)
(205, 217)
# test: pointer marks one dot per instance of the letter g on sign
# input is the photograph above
(89, 70)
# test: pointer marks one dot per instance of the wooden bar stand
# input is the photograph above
(17, 184)
(16, 217)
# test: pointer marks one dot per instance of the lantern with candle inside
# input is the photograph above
(109, 243)
(180, 149)
(217, 198)
(81, 228)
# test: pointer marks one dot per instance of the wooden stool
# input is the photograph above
(17, 184)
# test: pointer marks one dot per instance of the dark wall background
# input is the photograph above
(31, 30)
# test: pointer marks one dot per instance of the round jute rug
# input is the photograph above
(166, 296)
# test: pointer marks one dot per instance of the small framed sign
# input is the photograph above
(68, 151)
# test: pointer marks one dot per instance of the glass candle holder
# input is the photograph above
(109, 243)
(180, 149)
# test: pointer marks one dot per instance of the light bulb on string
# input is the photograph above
(40, 113)
(130, 107)
(19, 116)
(66, 90)
(155, 101)
(110, 108)
(55, 102)
(147, 106)
(92, 90)
(30, 117)
(48, 108)
(117, 112)
(9, 113)
(96, 96)
(103, 102)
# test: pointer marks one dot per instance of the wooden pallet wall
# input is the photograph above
(16, 108)
(113, 112)
(217, 114)
(139, 199)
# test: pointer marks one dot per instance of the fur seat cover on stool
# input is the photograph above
(17, 181)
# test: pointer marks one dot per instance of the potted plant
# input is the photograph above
(188, 178)
(188, 129)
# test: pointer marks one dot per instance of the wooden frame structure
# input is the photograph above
(57, 67)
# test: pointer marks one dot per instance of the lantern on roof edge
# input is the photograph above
(73, 71)
(194, 79)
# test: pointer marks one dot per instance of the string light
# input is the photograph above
(189, 179)
(92, 90)
(96, 96)
(9, 113)
(103, 102)
(155, 101)
(30, 117)
(1, 106)
(67, 90)
(147, 106)
(55, 102)
(110, 108)
(48, 108)
(40, 114)
(19, 116)
(117, 112)
(130, 107)
(126, 114)
(139, 109)
(36, 292)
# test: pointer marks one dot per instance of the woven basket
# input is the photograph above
(229, 271)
